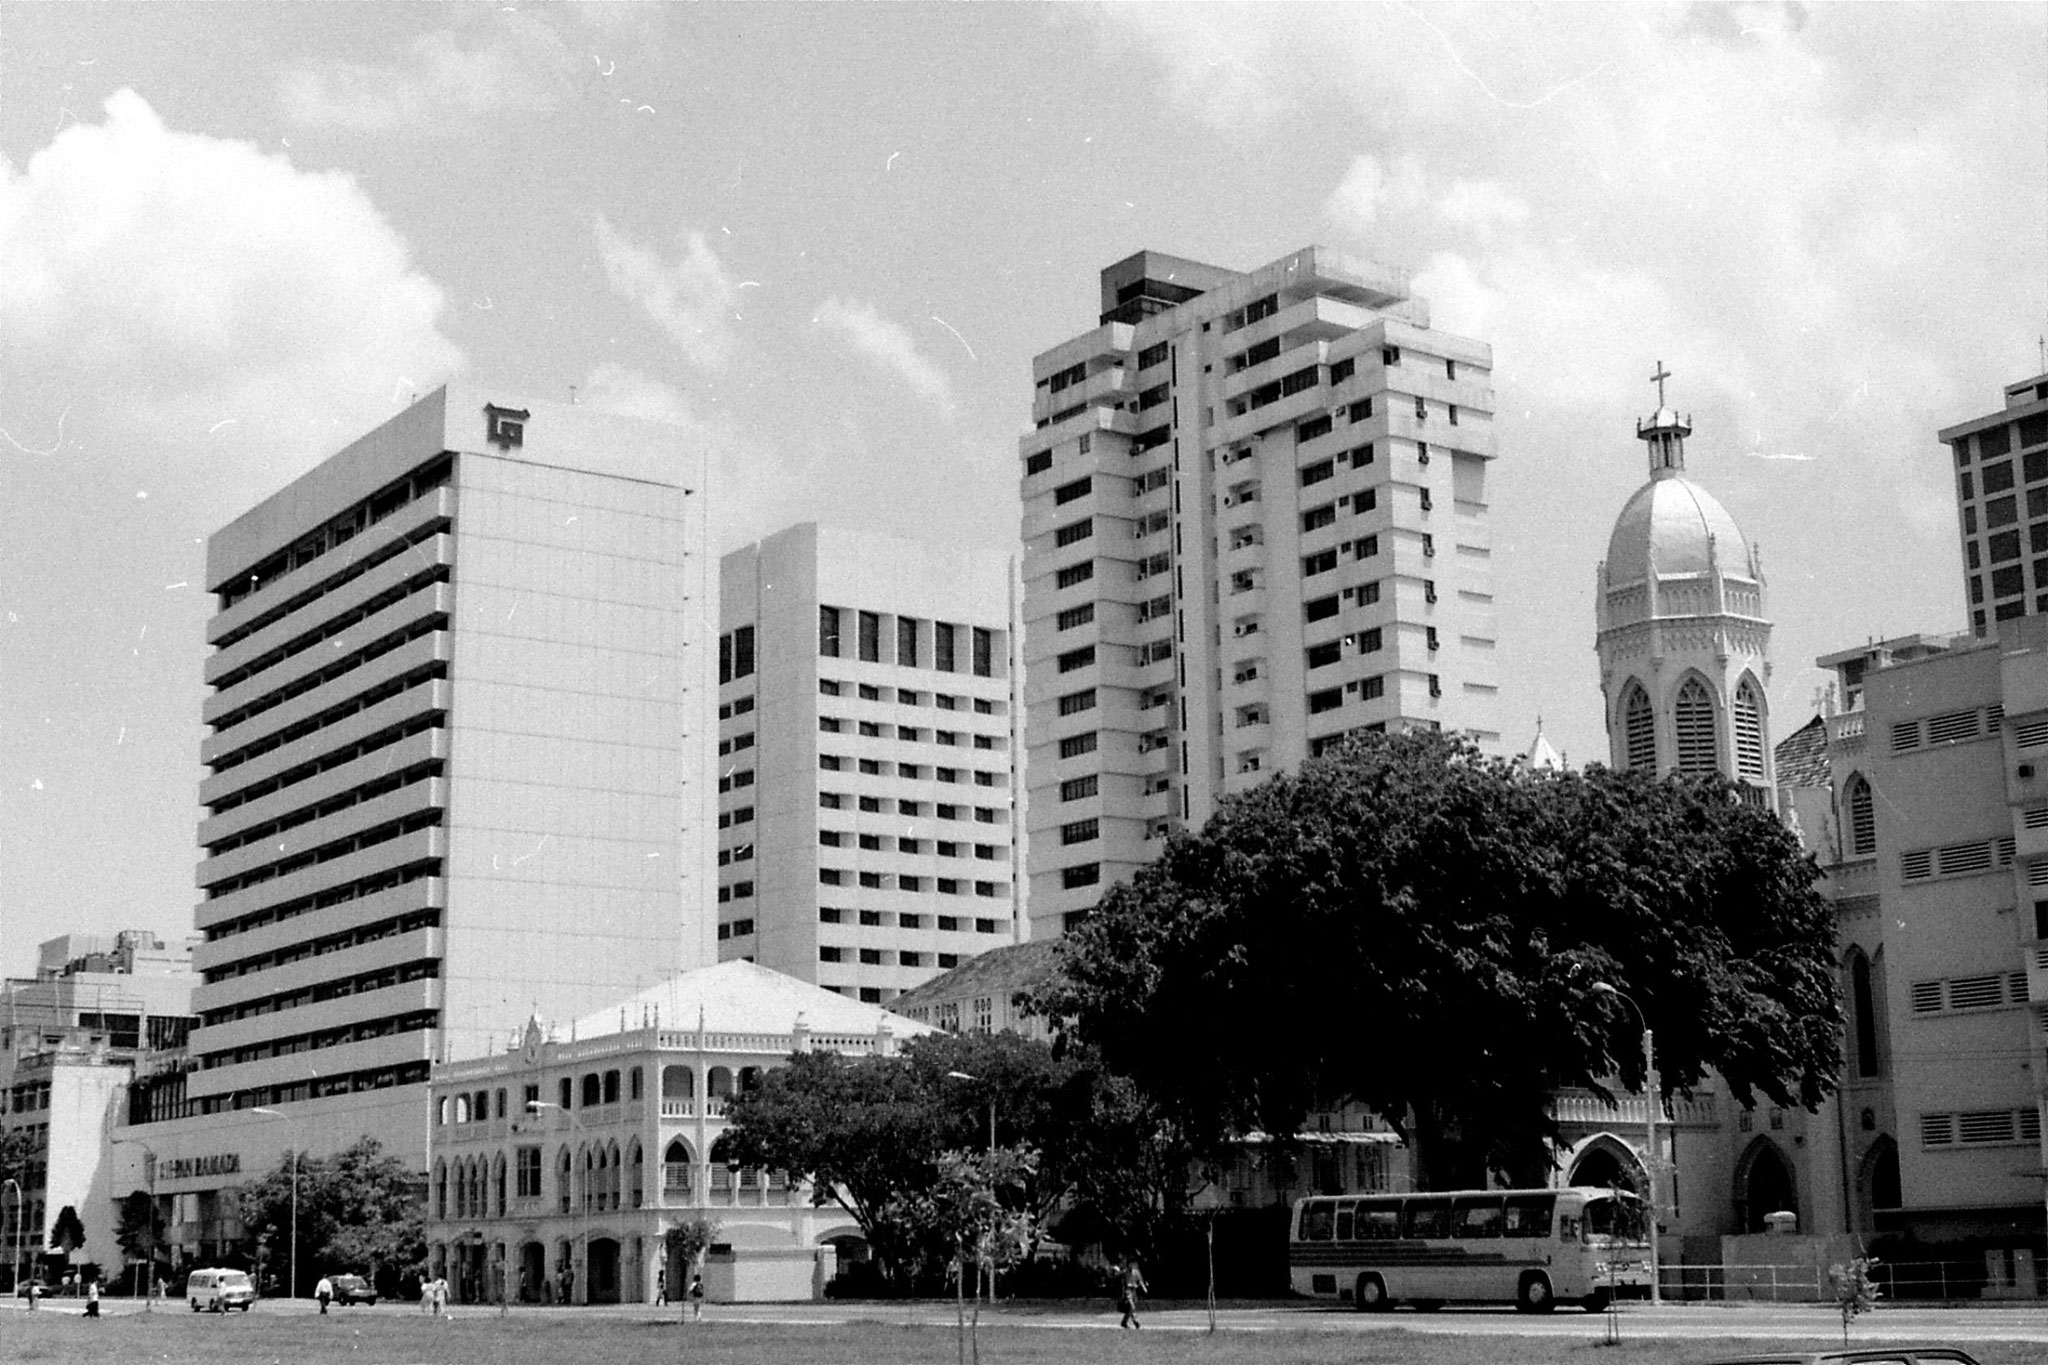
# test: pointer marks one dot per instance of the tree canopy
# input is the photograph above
(1416, 927)
(359, 1210)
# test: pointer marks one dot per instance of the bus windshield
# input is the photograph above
(1615, 1218)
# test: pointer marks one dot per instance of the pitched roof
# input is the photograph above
(1802, 756)
(743, 997)
(998, 972)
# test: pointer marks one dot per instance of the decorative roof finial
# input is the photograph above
(1658, 379)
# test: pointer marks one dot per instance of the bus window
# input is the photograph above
(1378, 1222)
(1344, 1221)
(1317, 1223)
(1612, 1216)
(1476, 1216)
(1528, 1215)
(1426, 1218)
(1569, 1228)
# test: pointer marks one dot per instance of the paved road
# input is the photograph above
(1780, 1322)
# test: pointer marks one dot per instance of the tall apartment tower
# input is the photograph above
(867, 820)
(2001, 488)
(1255, 521)
(460, 681)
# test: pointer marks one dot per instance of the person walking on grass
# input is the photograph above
(661, 1288)
(323, 1291)
(697, 1297)
(1130, 1284)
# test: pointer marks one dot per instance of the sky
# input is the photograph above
(827, 242)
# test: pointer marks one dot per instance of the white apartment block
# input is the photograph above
(2002, 505)
(867, 813)
(1255, 520)
(456, 767)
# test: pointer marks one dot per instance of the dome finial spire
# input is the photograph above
(1664, 433)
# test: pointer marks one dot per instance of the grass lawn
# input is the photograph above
(407, 1338)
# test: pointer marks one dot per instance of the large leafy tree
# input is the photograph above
(1414, 926)
(359, 1210)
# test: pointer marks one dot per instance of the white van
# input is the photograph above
(217, 1291)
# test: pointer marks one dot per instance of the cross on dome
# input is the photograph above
(1664, 432)
(1658, 379)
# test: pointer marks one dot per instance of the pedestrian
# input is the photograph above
(324, 1292)
(697, 1297)
(92, 1298)
(661, 1288)
(1131, 1283)
(440, 1294)
(35, 1291)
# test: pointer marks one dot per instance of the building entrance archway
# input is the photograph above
(1605, 1162)
(533, 1271)
(604, 1270)
(1763, 1185)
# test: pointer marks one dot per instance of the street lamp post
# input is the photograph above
(534, 1107)
(988, 1275)
(292, 1263)
(1653, 1101)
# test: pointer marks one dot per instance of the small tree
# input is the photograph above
(1855, 1290)
(140, 1232)
(686, 1244)
(969, 1208)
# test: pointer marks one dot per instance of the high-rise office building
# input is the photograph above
(2002, 505)
(459, 685)
(1255, 520)
(867, 758)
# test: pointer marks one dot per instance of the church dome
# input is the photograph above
(1676, 520)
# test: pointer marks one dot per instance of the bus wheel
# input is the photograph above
(1534, 1295)
(1371, 1295)
(1595, 1302)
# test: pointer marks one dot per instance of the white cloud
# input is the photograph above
(887, 344)
(222, 300)
(441, 86)
(693, 301)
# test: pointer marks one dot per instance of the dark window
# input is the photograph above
(1318, 516)
(1080, 831)
(1068, 492)
(1328, 700)
(743, 652)
(1152, 355)
(1073, 746)
(1077, 616)
(1320, 562)
(828, 632)
(1312, 428)
(1075, 788)
(1369, 641)
(1997, 477)
(870, 637)
(1087, 874)
(1361, 410)
(1077, 658)
(984, 651)
(1076, 702)
(1320, 609)
(1325, 654)
(942, 647)
(1993, 442)
(1343, 370)
(2007, 582)
(1075, 573)
(1317, 472)
(1037, 463)
(2003, 546)
(1073, 532)
(2001, 512)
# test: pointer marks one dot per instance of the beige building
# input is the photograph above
(1936, 845)
(1255, 519)
(867, 812)
(559, 1165)
(2001, 463)
(457, 729)
(70, 1039)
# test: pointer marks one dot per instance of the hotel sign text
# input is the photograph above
(196, 1167)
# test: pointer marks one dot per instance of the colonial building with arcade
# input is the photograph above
(558, 1167)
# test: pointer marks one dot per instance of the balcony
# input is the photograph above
(407, 523)
(424, 747)
(350, 821)
(432, 553)
(406, 850)
(389, 620)
(392, 664)
(393, 950)
(422, 893)
(371, 1054)
(422, 699)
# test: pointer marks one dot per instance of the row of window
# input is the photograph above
(880, 805)
(908, 696)
(1987, 991)
(905, 919)
(1994, 442)
(1958, 860)
(916, 641)
(914, 734)
(883, 843)
(875, 767)
(894, 957)
(882, 881)
(1949, 728)
(1696, 730)
(1981, 1128)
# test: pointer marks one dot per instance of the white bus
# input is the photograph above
(1531, 1248)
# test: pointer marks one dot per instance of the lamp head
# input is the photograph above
(1604, 988)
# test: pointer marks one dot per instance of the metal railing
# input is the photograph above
(1905, 1281)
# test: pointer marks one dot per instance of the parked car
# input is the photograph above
(352, 1289)
(1860, 1355)
(216, 1291)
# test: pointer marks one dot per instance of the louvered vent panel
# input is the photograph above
(2030, 1125)
(1937, 1130)
(1906, 735)
(1951, 727)
(2037, 818)
(2037, 873)
(1976, 992)
(1926, 997)
(2008, 849)
(1994, 716)
(1986, 1125)
(1958, 858)
(2032, 735)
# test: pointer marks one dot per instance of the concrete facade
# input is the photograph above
(461, 680)
(1255, 520)
(867, 811)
